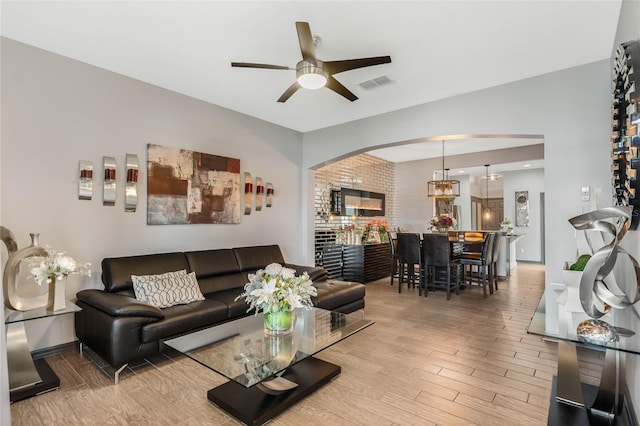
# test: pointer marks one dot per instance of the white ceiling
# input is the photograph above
(438, 48)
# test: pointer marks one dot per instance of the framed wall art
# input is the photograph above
(188, 187)
(522, 208)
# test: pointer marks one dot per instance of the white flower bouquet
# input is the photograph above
(56, 265)
(277, 289)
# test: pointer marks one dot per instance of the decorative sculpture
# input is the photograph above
(131, 185)
(109, 186)
(599, 290)
(248, 191)
(269, 194)
(11, 297)
(259, 194)
(85, 181)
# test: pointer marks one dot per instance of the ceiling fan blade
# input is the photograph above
(337, 87)
(290, 91)
(267, 66)
(305, 38)
(334, 67)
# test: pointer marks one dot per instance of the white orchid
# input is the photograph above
(55, 265)
(276, 288)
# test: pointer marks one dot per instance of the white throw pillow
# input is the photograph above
(169, 289)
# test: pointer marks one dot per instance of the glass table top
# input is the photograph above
(626, 323)
(240, 350)
(11, 315)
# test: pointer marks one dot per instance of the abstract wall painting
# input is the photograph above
(188, 187)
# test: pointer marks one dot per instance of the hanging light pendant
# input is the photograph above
(487, 213)
(445, 187)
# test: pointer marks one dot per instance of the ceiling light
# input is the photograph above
(526, 165)
(445, 187)
(311, 76)
(487, 213)
(461, 171)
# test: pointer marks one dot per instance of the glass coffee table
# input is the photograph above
(268, 374)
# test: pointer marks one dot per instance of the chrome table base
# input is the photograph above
(23, 372)
(608, 402)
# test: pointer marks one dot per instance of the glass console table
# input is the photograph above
(268, 374)
(28, 377)
(601, 405)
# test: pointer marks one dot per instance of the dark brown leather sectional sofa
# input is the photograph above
(121, 329)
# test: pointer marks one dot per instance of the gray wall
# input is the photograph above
(528, 247)
(569, 108)
(414, 209)
(57, 111)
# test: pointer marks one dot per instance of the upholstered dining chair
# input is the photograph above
(482, 262)
(393, 244)
(409, 255)
(495, 252)
(437, 262)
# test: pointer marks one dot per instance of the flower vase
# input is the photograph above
(278, 323)
(57, 293)
(443, 230)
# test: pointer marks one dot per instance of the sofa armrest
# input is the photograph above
(118, 305)
(315, 273)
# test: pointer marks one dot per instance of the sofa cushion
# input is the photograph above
(253, 258)
(216, 270)
(169, 289)
(315, 273)
(332, 294)
(206, 263)
(117, 271)
(236, 309)
(184, 318)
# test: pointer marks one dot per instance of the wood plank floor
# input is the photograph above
(426, 361)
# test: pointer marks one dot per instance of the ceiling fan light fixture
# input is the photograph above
(311, 76)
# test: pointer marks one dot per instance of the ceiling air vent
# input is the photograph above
(375, 82)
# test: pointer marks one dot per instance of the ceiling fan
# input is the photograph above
(312, 73)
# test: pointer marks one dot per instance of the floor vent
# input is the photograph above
(375, 82)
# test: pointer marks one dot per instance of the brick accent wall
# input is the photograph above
(358, 172)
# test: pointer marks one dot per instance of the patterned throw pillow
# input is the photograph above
(169, 289)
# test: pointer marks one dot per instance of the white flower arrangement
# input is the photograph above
(276, 288)
(444, 221)
(57, 265)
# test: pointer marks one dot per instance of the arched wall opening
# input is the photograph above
(404, 187)
(570, 108)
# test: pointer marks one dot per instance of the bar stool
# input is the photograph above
(481, 262)
(437, 257)
(493, 272)
(409, 255)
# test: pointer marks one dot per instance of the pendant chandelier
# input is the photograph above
(487, 212)
(445, 187)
